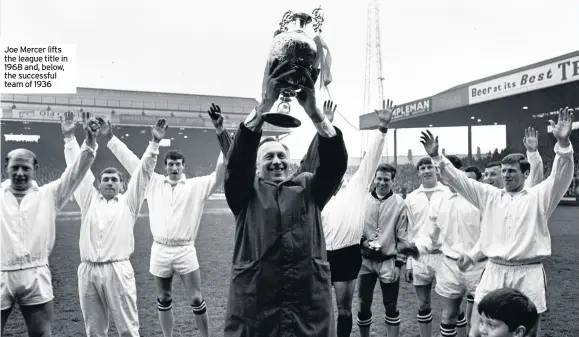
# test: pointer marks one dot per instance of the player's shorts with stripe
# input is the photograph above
(453, 283)
(32, 286)
(424, 269)
(345, 263)
(168, 260)
(530, 279)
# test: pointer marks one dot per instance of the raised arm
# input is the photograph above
(365, 172)
(311, 160)
(240, 171)
(552, 190)
(74, 173)
(223, 137)
(141, 177)
(531, 142)
(475, 192)
(333, 165)
(85, 191)
(125, 156)
(242, 156)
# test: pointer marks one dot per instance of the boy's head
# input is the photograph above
(506, 312)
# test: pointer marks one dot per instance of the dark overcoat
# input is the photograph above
(280, 277)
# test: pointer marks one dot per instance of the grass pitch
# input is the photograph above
(214, 249)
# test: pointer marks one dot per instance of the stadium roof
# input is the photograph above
(182, 98)
(561, 71)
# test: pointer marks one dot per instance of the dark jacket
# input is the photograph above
(280, 278)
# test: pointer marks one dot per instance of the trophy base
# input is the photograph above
(281, 119)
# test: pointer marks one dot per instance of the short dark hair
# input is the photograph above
(175, 155)
(493, 164)
(455, 160)
(477, 172)
(511, 307)
(517, 158)
(423, 161)
(386, 168)
(111, 170)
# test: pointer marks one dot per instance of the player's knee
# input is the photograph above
(165, 303)
(449, 316)
(198, 304)
(344, 305)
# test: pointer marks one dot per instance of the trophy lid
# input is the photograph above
(304, 18)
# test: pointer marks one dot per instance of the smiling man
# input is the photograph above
(106, 279)
(422, 273)
(175, 208)
(27, 218)
(280, 278)
(514, 229)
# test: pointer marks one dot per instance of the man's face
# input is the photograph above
(489, 327)
(513, 177)
(492, 176)
(21, 170)
(174, 168)
(427, 174)
(383, 182)
(110, 185)
(272, 162)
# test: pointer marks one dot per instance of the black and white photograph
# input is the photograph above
(289, 169)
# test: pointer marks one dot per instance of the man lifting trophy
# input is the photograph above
(293, 44)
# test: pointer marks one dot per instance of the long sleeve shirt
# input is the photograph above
(280, 277)
(514, 226)
(455, 223)
(28, 227)
(106, 231)
(534, 178)
(386, 223)
(174, 212)
(536, 171)
(418, 206)
(343, 216)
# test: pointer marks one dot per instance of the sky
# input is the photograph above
(220, 47)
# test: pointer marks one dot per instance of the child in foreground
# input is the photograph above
(507, 312)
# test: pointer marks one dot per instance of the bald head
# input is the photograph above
(21, 165)
(272, 160)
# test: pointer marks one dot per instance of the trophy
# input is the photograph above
(292, 43)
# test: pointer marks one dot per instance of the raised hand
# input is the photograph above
(330, 110)
(106, 129)
(306, 97)
(91, 128)
(216, 116)
(158, 130)
(562, 130)
(385, 114)
(531, 139)
(68, 125)
(430, 143)
(276, 80)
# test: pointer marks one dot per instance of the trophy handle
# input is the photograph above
(286, 19)
(318, 15)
